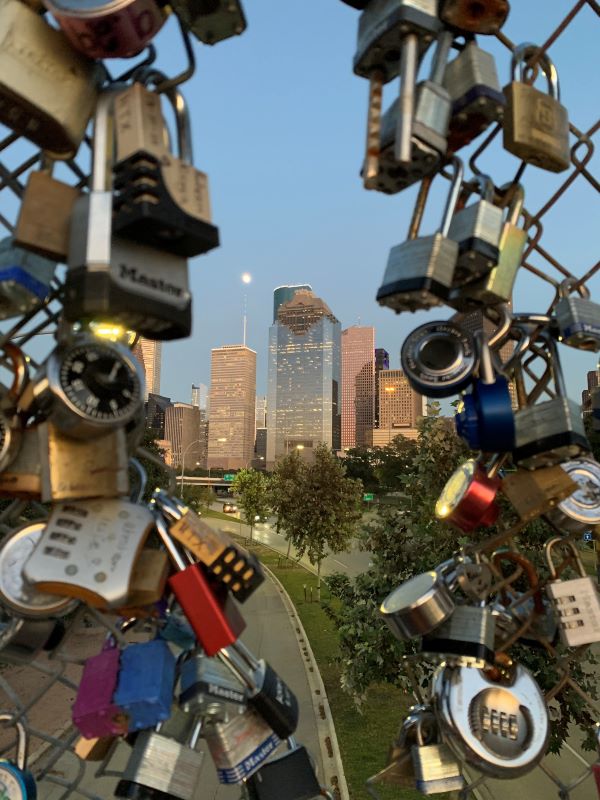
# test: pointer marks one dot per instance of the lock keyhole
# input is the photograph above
(439, 353)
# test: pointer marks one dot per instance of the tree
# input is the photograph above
(284, 492)
(159, 475)
(405, 539)
(325, 509)
(198, 497)
(251, 487)
(361, 463)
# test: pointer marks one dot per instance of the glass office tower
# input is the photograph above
(303, 404)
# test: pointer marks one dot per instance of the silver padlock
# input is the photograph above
(577, 601)
(25, 279)
(476, 94)
(420, 271)
(162, 766)
(467, 637)
(580, 511)
(499, 727)
(207, 686)
(435, 766)
(578, 319)
(477, 229)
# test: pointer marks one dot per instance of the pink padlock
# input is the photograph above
(108, 28)
(94, 712)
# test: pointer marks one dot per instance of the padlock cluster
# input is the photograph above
(172, 671)
(483, 709)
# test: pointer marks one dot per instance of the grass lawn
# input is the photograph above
(364, 737)
(208, 512)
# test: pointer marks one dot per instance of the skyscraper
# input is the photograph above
(199, 395)
(593, 380)
(182, 429)
(382, 361)
(156, 407)
(261, 411)
(149, 354)
(358, 385)
(304, 377)
(282, 294)
(232, 400)
(399, 407)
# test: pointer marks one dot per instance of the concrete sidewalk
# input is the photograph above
(270, 635)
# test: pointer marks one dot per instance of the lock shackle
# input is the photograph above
(440, 56)
(103, 151)
(487, 372)
(504, 325)
(556, 572)
(522, 53)
(485, 187)
(425, 719)
(20, 370)
(516, 192)
(143, 480)
(169, 505)
(453, 195)
(559, 378)
(168, 542)
(530, 574)
(21, 760)
(565, 288)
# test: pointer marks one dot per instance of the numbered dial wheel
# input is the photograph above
(13, 784)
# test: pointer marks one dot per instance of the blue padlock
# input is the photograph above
(25, 279)
(486, 421)
(146, 682)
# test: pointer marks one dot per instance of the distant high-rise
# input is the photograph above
(261, 412)
(199, 395)
(156, 407)
(282, 294)
(149, 354)
(593, 380)
(399, 407)
(232, 400)
(382, 361)
(303, 402)
(358, 385)
(182, 429)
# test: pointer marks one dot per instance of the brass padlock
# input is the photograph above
(536, 125)
(45, 216)
(533, 493)
(148, 581)
(47, 90)
(139, 123)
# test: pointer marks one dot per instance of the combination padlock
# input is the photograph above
(86, 387)
(206, 685)
(266, 692)
(162, 767)
(211, 21)
(477, 229)
(290, 776)
(145, 683)
(10, 421)
(224, 559)
(109, 276)
(420, 271)
(465, 16)
(467, 637)
(469, 498)
(47, 91)
(16, 781)
(579, 511)
(209, 609)
(25, 279)
(435, 766)
(477, 99)
(486, 421)
(108, 29)
(497, 286)
(438, 359)
(536, 125)
(577, 601)
(535, 492)
(160, 200)
(578, 319)
(88, 550)
(95, 713)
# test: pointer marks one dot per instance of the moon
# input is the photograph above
(246, 277)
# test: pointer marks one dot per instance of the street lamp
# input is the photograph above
(190, 445)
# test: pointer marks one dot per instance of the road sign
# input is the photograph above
(588, 536)
(368, 497)
(229, 476)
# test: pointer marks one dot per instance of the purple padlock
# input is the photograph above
(94, 712)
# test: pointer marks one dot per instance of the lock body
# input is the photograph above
(211, 22)
(24, 279)
(145, 684)
(578, 321)
(485, 17)
(486, 421)
(438, 359)
(206, 684)
(577, 601)
(288, 777)
(240, 746)
(436, 769)
(468, 499)
(535, 492)
(477, 230)
(94, 712)
(548, 433)
(418, 606)
(468, 634)
(579, 511)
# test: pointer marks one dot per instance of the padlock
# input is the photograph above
(399, 770)
(110, 277)
(145, 683)
(499, 727)
(486, 420)
(208, 607)
(161, 767)
(86, 387)
(429, 129)
(577, 601)
(266, 692)
(47, 91)
(535, 492)
(420, 271)
(477, 99)
(10, 421)
(94, 711)
(17, 782)
(108, 28)
(497, 286)
(148, 582)
(536, 125)
(207, 685)
(469, 498)
(466, 16)
(240, 745)
(467, 637)
(223, 558)
(25, 279)
(577, 319)
(16, 594)
(22, 640)
(161, 201)
(290, 776)
(22, 478)
(436, 768)
(438, 359)
(173, 627)
(211, 21)
(102, 465)
(580, 511)
(45, 219)
(88, 550)
(477, 229)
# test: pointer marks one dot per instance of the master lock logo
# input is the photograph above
(157, 284)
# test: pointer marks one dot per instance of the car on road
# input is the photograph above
(230, 508)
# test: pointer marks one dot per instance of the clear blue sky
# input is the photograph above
(278, 121)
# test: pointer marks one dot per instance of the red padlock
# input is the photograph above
(209, 608)
(468, 499)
